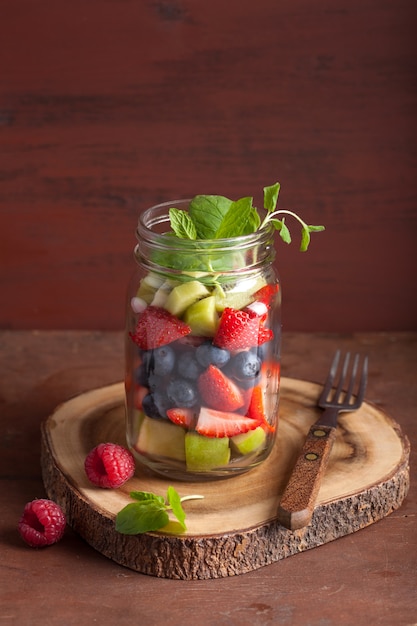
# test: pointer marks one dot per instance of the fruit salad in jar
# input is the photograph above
(203, 339)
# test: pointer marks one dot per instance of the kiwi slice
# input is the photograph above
(149, 285)
(202, 317)
(162, 294)
(248, 442)
(161, 438)
(184, 295)
(205, 453)
(238, 294)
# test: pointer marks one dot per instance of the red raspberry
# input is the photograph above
(42, 523)
(109, 465)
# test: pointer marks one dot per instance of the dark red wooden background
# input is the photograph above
(109, 106)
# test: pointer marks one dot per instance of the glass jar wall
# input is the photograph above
(202, 351)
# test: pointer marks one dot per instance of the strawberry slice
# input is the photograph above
(181, 416)
(240, 329)
(212, 423)
(218, 391)
(265, 294)
(156, 327)
(256, 409)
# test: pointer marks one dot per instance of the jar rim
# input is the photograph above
(158, 214)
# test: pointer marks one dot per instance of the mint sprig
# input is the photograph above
(150, 512)
(270, 203)
(217, 217)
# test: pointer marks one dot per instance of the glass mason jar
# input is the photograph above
(203, 335)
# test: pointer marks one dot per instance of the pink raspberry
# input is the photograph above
(109, 465)
(42, 523)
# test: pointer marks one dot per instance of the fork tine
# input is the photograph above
(342, 379)
(353, 375)
(363, 382)
(330, 377)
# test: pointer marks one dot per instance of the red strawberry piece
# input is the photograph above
(265, 294)
(42, 523)
(109, 465)
(218, 391)
(256, 409)
(156, 327)
(240, 329)
(265, 334)
(181, 416)
(212, 423)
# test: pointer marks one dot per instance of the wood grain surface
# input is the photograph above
(234, 529)
(367, 577)
(109, 107)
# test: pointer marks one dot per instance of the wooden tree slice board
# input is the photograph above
(234, 529)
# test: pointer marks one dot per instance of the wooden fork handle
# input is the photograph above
(297, 503)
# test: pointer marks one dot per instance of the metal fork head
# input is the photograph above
(345, 393)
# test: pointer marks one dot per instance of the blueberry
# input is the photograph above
(246, 365)
(163, 360)
(181, 392)
(208, 354)
(156, 404)
(188, 367)
(149, 406)
(155, 382)
(161, 402)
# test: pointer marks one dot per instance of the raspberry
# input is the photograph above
(42, 523)
(109, 465)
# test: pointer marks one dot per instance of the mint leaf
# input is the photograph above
(236, 220)
(217, 217)
(315, 229)
(305, 235)
(271, 197)
(282, 228)
(146, 496)
(207, 213)
(176, 507)
(254, 222)
(305, 239)
(150, 513)
(139, 517)
(182, 224)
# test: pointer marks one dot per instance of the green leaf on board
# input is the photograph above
(141, 517)
(150, 511)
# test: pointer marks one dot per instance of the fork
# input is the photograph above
(297, 503)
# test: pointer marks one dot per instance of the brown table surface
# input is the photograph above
(369, 577)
